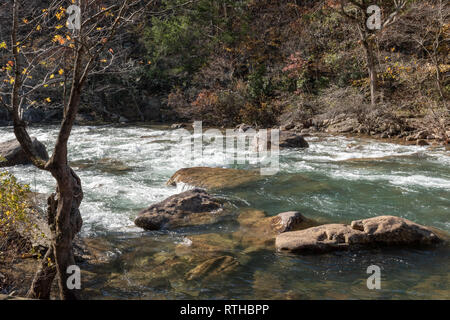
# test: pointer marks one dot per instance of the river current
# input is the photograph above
(337, 179)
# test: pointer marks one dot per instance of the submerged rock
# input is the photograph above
(213, 178)
(382, 230)
(192, 207)
(107, 165)
(213, 267)
(256, 232)
(13, 153)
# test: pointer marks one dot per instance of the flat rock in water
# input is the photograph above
(377, 231)
(13, 153)
(214, 178)
(192, 207)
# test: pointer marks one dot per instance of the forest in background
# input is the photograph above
(272, 62)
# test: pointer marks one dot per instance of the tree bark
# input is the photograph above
(68, 223)
(43, 279)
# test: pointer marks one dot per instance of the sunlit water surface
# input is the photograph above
(124, 169)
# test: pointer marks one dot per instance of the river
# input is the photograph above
(338, 179)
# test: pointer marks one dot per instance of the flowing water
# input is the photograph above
(338, 179)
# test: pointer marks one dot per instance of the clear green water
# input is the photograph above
(124, 169)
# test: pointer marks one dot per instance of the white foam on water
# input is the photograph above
(113, 198)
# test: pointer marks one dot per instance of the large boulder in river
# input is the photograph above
(287, 139)
(13, 153)
(213, 178)
(378, 231)
(192, 207)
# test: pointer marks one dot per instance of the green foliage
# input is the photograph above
(178, 45)
(260, 86)
(13, 205)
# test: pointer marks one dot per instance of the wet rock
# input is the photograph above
(192, 207)
(319, 239)
(288, 221)
(257, 231)
(395, 230)
(107, 165)
(214, 178)
(213, 268)
(13, 153)
(378, 231)
(287, 139)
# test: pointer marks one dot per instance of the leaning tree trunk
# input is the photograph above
(68, 223)
(65, 222)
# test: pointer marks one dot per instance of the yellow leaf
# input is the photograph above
(48, 99)
(52, 76)
(61, 72)
(38, 28)
(3, 45)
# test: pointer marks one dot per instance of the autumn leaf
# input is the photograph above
(61, 72)
(3, 45)
(59, 38)
(48, 100)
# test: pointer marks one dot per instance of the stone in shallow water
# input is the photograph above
(214, 178)
(213, 268)
(192, 207)
(382, 230)
(287, 139)
(288, 221)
